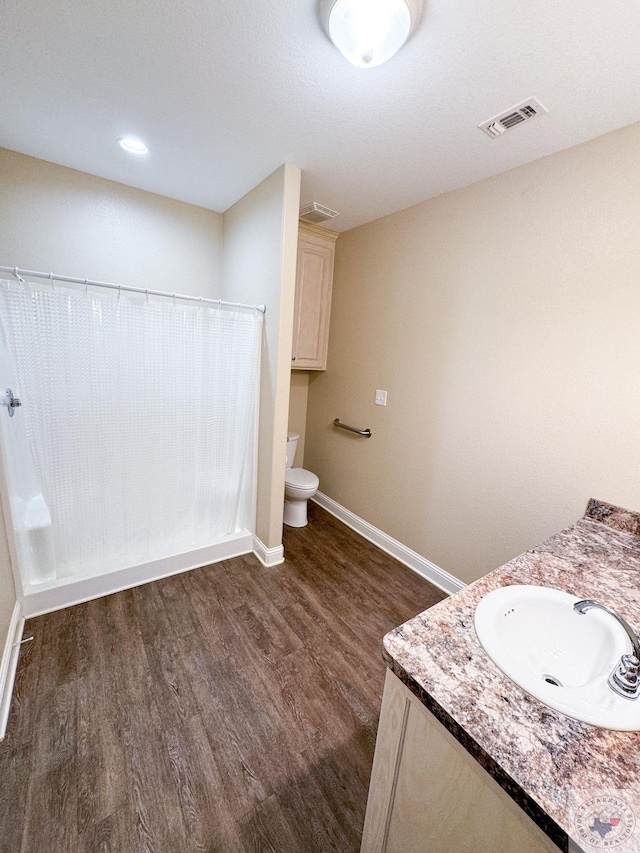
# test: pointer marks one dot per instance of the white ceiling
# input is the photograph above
(223, 92)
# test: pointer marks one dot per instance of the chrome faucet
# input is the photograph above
(625, 678)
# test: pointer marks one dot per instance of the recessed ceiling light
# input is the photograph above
(133, 146)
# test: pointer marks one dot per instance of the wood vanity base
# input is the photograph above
(428, 795)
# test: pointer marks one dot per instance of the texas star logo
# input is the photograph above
(604, 822)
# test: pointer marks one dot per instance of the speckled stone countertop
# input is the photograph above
(551, 765)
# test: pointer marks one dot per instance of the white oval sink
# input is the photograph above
(563, 658)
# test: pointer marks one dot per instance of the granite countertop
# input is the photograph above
(554, 767)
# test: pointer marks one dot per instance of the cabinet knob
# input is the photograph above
(293, 358)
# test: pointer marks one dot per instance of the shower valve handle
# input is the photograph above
(11, 402)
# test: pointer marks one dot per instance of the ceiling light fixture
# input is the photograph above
(133, 146)
(369, 32)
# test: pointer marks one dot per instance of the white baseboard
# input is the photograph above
(268, 556)
(55, 595)
(434, 574)
(9, 663)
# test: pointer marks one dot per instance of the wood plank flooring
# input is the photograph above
(232, 709)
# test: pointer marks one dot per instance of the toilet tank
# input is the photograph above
(292, 446)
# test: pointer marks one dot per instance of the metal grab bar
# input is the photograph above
(365, 432)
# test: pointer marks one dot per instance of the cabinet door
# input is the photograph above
(428, 795)
(314, 279)
(445, 801)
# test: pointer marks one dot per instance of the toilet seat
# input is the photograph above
(301, 479)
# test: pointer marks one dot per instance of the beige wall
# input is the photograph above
(299, 392)
(260, 246)
(504, 321)
(57, 219)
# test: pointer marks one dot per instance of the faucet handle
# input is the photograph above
(630, 663)
(625, 679)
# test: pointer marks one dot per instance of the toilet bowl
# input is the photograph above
(299, 486)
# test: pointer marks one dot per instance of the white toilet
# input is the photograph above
(299, 486)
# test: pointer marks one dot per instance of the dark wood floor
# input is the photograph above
(230, 709)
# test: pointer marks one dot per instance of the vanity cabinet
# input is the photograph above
(428, 795)
(314, 281)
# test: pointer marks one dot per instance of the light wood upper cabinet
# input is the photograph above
(314, 280)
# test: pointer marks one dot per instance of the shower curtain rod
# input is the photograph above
(18, 273)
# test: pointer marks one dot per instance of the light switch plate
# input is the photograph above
(381, 398)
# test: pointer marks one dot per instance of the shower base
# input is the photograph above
(64, 592)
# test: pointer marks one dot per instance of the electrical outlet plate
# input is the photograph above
(381, 398)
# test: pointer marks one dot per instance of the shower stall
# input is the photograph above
(128, 432)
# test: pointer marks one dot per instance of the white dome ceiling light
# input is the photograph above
(132, 145)
(370, 32)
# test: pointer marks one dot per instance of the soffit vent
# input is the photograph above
(525, 111)
(315, 212)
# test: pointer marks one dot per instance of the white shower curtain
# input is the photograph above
(139, 415)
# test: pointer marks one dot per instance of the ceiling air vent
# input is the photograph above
(315, 212)
(498, 125)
